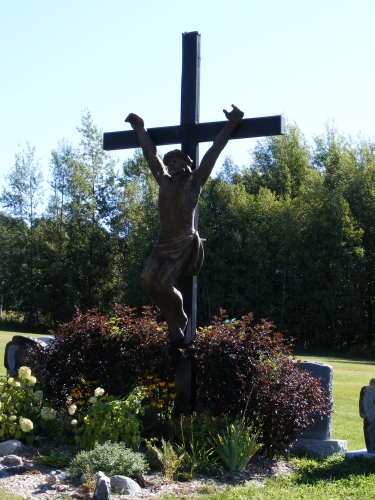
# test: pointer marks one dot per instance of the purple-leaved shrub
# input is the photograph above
(241, 367)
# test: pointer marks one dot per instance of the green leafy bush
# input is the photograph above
(236, 446)
(110, 458)
(198, 454)
(110, 419)
(169, 459)
(196, 428)
(55, 459)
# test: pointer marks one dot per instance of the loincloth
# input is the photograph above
(187, 248)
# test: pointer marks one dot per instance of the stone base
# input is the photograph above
(359, 453)
(318, 448)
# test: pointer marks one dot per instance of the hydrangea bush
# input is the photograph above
(22, 412)
(109, 419)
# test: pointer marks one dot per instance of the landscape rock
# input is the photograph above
(14, 470)
(11, 447)
(140, 480)
(125, 486)
(103, 488)
(12, 460)
(52, 480)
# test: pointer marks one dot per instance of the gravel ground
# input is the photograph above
(34, 481)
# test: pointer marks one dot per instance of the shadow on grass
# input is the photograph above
(334, 468)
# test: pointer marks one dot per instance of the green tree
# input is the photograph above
(58, 294)
(137, 224)
(281, 163)
(20, 200)
(359, 191)
(89, 246)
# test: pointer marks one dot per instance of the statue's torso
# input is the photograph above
(177, 202)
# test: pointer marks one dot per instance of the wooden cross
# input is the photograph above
(189, 134)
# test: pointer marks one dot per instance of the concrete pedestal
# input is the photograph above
(359, 453)
(318, 448)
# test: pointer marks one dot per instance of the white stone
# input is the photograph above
(52, 479)
(10, 447)
(12, 460)
(125, 486)
(62, 487)
(103, 488)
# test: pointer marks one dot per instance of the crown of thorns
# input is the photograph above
(180, 154)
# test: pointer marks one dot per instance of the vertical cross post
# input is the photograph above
(190, 87)
(190, 90)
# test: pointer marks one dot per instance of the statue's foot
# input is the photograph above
(177, 333)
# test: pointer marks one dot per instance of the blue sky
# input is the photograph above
(311, 60)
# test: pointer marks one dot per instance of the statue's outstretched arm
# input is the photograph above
(148, 147)
(209, 159)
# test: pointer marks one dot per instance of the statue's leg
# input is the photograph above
(158, 278)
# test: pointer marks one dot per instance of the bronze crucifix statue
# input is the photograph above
(178, 249)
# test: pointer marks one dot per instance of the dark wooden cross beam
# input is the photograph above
(196, 132)
(189, 134)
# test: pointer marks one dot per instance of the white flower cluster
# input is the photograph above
(72, 409)
(74, 422)
(38, 396)
(92, 399)
(30, 380)
(26, 424)
(99, 392)
(48, 413)
(24, 373)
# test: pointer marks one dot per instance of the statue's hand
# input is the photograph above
(234, 116)
(135, 121)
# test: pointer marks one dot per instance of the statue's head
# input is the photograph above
(177, 162)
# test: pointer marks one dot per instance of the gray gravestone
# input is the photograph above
(15, 351)
(322, 428)
(367, 412)
(317, 441)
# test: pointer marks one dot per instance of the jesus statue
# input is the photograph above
(178, 249)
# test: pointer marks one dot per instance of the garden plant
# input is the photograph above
(23, 412)
(239, 364)
(228, 343)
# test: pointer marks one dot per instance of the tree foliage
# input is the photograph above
(290, 237)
